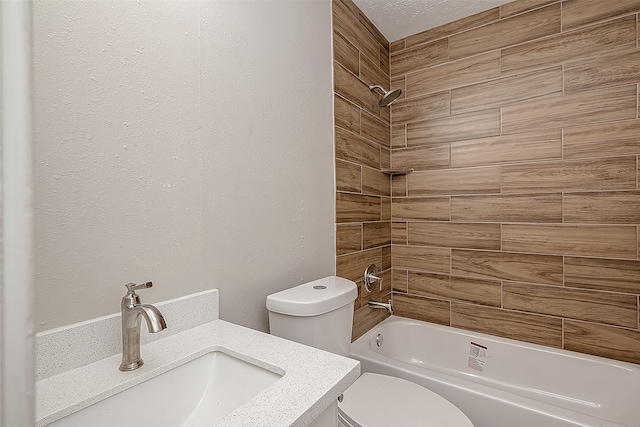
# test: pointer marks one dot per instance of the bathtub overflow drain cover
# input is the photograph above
(318, 287)
(379, 340)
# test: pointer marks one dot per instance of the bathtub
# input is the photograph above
(499, 382)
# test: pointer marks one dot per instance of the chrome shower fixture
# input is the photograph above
(387, 97)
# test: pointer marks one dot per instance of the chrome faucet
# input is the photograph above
(385, 305)
(132, 311)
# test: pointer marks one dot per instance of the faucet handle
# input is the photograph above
(132, 287)
(370, 276)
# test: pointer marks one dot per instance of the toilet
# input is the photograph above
(320, 314)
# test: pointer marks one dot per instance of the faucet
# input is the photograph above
(132, 311)
(385, 305)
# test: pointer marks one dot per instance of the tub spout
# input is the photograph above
(386, 305)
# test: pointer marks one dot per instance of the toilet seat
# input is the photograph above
(376, 400)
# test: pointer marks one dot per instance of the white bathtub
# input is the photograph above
(499, 382)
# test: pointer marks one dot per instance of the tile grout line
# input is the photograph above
(522, 282)
(450, 263)
(530, 162)
(638, 309)
(528, 253)
(561, 20)
(405, 135)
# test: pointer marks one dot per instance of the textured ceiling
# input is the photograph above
(397, 19)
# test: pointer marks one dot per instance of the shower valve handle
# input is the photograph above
(371, 276)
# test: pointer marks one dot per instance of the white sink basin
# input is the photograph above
(198, 393)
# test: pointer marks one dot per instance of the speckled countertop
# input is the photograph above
(312, 379)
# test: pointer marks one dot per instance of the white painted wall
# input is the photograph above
(188, 143)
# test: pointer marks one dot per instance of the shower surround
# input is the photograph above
(362, 144)
(521, 218)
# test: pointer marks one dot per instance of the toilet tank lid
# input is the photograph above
(313, 298)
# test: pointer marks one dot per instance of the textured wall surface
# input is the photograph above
(183, 142)
(362, 135)
(521, 218)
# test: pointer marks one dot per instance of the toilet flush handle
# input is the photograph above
(371, 276)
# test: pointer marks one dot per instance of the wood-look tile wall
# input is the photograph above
(522, 216)
(363, 144)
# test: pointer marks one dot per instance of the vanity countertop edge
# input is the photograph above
(312, 379)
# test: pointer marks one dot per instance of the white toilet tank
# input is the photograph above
(318, 313)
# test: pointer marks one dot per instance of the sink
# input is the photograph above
(198, 393)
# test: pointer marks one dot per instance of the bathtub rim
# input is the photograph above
(524, 344)
(361, 351)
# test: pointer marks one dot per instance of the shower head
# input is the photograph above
(387, 97)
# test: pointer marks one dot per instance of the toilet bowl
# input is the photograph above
(320, 314)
